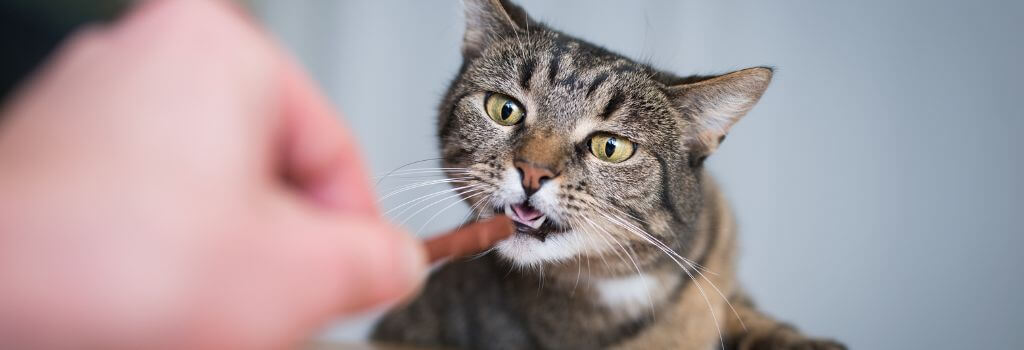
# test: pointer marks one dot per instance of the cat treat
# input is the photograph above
(469, 239)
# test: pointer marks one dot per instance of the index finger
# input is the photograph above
(321, 156)
(469, 239)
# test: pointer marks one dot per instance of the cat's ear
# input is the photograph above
(487, 20)
(715, 104)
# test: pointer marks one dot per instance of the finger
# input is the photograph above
(470, 239)
(304, 268)
(352, 262)
(320, 157)
(77, 51)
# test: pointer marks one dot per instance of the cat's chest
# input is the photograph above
(601, 312)
(628, 294)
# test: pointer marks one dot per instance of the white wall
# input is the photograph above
(878, 183)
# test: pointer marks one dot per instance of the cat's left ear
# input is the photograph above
(714, 105)
(488, 20)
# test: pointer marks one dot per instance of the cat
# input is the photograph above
(622, 240)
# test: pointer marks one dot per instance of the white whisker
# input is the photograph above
(474, 188)
(425, 197)
(432, 217)
(421, 184)
(650, 238)
(425, 170)
(650, 300)
(692, 264)
(696, 283)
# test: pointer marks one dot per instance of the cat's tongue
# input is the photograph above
(525, 212)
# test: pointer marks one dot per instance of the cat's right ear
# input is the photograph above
(488, 20)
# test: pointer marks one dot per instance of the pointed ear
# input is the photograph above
(715, 104)
(487, 20)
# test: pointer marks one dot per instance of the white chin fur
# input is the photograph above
(528, 251)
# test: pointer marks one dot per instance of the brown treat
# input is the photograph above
(469, 239)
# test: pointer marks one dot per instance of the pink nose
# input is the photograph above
(533, 176)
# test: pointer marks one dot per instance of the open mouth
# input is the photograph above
(530, 221)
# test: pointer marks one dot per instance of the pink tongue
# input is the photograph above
(526, 212)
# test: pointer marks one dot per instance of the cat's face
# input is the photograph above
(590, 153)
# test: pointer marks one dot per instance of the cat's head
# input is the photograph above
(587, 150)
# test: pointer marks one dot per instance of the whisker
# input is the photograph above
(650, 300)
(602, 204)
(421, 184)
(472, 209)
(579, 265)
(425, 170)
(425, 173)
(406, 180)
(592, 242)
(696, 283)
(480, 254)
(405, 165)
(474, 188)
(650, 238)
(475, 209)
(425, 197)
(429, 168)
(606, 240)
(692, 264)
(580, 236)
(573, 224)
(605, 204)
(432, 217)
(664, 248)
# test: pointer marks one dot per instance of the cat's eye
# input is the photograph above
(503, 110)
(611, 148)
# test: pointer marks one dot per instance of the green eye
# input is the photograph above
(611, 148)
(503, 109)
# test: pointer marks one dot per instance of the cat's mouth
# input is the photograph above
(530, 221)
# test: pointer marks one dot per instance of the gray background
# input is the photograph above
(877, 183)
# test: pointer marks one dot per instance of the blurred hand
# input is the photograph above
(174, 181)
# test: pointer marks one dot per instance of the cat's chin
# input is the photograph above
(525, 249)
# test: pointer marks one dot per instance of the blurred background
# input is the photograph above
(877, 183)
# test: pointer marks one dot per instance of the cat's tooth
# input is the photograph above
(509, 212)
(536, 223)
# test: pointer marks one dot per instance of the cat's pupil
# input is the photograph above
(609, 147)
(506, 110)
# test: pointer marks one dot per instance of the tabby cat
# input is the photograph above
(623, 240)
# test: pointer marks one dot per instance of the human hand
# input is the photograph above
(175, 181)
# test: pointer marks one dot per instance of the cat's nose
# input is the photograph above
(533, 175)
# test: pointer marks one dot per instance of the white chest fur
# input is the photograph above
(630, 293)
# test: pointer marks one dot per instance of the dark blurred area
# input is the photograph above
(33, 29)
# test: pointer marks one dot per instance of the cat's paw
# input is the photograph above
(787, 340)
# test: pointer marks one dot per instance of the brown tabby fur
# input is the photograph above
(609, 221)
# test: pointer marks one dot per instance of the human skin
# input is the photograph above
(174, 180)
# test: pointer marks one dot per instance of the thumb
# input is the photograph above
(350, 263)
(308, 267)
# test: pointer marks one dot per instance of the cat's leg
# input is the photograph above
(433, 318)
(414, 324)
(763, 332)
(455, 309)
